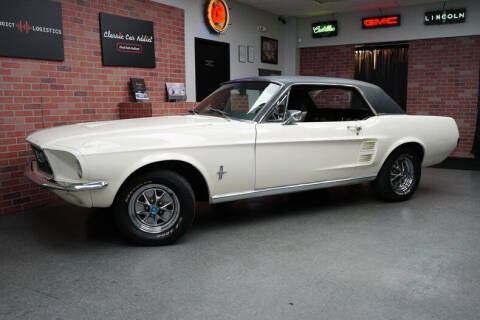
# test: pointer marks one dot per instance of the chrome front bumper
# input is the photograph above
(33, 174)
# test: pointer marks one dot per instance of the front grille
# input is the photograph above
(42, 161)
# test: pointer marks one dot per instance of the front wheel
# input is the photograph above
(399, 177)
(155, 208)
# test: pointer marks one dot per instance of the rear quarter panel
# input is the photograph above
(438, 136)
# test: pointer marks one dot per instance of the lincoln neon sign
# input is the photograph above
(445, 16)
(381, 22)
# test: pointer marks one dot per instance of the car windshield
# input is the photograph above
(241, 100)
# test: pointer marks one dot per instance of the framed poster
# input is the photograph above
(31, 29)
(251, 54)
(269, 50)
(127, 42)
(242, 54)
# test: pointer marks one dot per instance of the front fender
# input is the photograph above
(116, 175)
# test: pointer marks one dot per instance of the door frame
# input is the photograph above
(207, 41)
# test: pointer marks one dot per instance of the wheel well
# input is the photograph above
(185, 169)
(414, 146)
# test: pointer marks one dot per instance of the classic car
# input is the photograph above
(252, 137)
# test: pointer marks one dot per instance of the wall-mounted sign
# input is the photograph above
(218, 15)
(31, 29)
(127, 42)
(324, 29)
(445, 16)
(381, 22)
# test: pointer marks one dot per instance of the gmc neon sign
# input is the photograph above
(381, 22)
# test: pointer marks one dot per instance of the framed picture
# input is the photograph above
(242, 54)
(269, 50)
(251, 54)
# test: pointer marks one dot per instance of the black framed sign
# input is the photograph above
(127, 42)
(31, 29)
(324, 29)
(445, 16)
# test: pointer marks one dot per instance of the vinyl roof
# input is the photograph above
(380, 101)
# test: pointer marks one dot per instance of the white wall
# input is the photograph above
(290, 52)
(412, 25)
(242, 31)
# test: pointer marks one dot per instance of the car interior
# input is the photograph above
(324, 104)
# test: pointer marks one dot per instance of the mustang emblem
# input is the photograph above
(221, 173)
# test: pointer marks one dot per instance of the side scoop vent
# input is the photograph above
(367, 152)
(368, 146)
(366, 157)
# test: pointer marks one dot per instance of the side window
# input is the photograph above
(329, 103)
(277, 114)
(331, 98)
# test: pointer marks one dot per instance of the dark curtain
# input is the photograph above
(385, 67)
(476, 141)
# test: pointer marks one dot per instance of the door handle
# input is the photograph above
(355, 129)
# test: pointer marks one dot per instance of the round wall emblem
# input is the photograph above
(218, 15)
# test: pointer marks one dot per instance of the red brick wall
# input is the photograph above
(442, 78)
(37, 94)
(334, 61)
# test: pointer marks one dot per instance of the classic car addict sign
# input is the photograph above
(445, 16)
(127, 42)
(218, 15)
(324, 29)
(381, 22)
(31, 29)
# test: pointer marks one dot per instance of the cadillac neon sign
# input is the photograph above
(381, 22)
(218, 15)
(445, 16)
(324, 29)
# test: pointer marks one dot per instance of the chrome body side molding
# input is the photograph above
(289, 189)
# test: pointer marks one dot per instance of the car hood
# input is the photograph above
(95, 137)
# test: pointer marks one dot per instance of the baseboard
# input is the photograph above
(459, 164)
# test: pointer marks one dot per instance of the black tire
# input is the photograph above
(385, 188)
(177, 190)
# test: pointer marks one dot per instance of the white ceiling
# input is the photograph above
(303, 8)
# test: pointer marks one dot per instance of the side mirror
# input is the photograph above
(292, 117)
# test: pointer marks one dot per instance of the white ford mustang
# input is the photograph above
(251, 137)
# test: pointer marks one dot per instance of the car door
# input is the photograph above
(315, 149)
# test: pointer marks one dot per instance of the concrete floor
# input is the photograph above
(337, 254)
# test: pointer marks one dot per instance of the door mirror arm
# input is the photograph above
(292, 117)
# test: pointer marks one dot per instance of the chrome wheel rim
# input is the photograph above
(154, 208)
(402, 175)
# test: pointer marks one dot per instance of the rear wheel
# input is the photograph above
(399, 177)
(155, 208)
